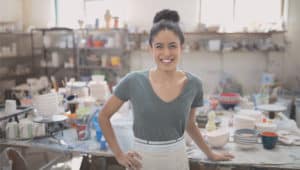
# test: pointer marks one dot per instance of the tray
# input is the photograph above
(20, 110)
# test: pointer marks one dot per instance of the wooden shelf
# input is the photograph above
(9, 77)
(98, 67)
(58, 49)
(219, 33)
(15, 57)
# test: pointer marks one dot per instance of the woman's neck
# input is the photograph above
(160, 75)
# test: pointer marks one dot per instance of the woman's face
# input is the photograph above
(166, 50)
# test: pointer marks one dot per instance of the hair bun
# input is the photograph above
(166, 14)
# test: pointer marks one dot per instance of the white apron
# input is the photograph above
(165, 155)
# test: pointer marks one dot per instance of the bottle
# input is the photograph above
(116, 22)
(97, 23)
(107, 18)
(103, 144)
(211, 125)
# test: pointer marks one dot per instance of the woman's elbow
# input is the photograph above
(102, 118)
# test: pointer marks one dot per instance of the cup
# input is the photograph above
(12, 130)
(73, 106)
(10, 106)
(39, 129)
(81, 131)
(269, 139)
(26, 129)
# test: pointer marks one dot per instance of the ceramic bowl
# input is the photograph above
(269, 139)
(229, 100)
(218, 138)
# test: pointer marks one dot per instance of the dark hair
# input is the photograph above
(166, 20)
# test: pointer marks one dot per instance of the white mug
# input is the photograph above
(12, 130)
(26, 129)
(10, 106)
(39, 129)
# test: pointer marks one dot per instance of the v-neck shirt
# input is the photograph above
(155, 119)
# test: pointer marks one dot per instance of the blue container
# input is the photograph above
(98, 134)
(103, 144)
(269, 139)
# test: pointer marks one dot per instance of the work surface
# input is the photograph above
(280, 157)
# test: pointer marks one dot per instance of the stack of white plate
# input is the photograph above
(245, 138)
(243, 122)
(46, 104)
(266, 127)
(256, 114)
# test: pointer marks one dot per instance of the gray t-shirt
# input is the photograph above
(154, 119)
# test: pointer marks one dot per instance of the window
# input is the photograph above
(70, 11)
(217, 12)
(241, 13)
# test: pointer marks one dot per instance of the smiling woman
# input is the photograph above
(164, 100)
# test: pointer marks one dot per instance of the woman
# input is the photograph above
(164, 101)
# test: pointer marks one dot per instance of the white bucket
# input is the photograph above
(123, 131)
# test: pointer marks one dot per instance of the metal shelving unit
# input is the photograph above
(15, 60)
(55, 52)
(103, 52)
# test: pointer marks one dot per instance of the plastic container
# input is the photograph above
(122, 126)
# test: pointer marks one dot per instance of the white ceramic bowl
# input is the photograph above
(217, 138)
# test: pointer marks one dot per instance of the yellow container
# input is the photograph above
(115, 61)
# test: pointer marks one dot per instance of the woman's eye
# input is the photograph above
(158, 46)
(172, 46)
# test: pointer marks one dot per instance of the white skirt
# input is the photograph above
(166, 155)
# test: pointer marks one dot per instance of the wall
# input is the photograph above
(11, 10)
(246, 67)
(292, 58)
(140, 13)
(38, 13)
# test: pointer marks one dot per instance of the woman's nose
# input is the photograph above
(166, 52)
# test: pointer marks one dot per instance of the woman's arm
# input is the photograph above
(195, 134)
(110, 107)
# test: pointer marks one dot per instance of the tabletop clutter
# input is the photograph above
(245, 124)
(76, 106)
(225, 118)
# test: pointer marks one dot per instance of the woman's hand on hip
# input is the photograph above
(131, 160)
(221, 157)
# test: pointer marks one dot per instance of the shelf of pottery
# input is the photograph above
(103, 52)
(55, 53)
(15, 60)
(15, 57)
(221, 42)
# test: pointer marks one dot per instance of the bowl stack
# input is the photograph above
(245, 138)
(229, 100)
(266, 127)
